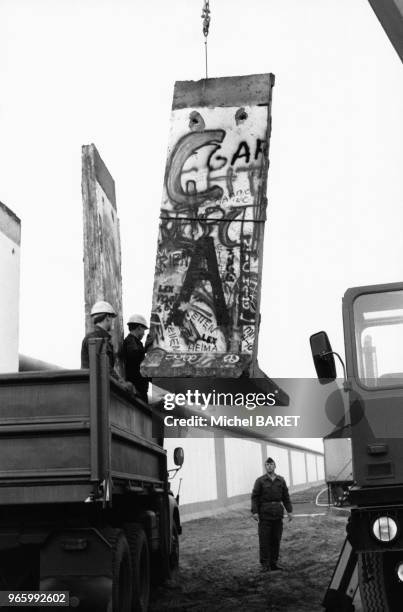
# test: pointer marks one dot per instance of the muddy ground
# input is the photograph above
(219, 568)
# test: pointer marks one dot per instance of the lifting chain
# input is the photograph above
(206, 17)
(206, 24)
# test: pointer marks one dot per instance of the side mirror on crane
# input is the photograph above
(323, 357)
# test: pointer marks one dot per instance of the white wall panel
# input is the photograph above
(298, 467)
(243, 464)
(243, 460)
(199, 482)
(320, 463)
(280, 456)
(312, 472)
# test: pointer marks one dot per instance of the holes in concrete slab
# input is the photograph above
(196, 121)
(191, 187)
(240, 116)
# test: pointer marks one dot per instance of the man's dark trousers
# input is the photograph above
(270, 532)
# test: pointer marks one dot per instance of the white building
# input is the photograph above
(220, 472)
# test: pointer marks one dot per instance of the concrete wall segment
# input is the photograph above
(206, 296)
(299, 475)
(10, 237)
(242, 458)
(102, 251)
(10, 224)
(223, 91)
(210, 484)
(311, 467)
(198, 475)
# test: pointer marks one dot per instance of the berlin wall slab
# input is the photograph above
(102, 253)
(208, 272)
(10, 240)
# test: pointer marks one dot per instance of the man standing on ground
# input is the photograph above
(133, 353)
(269, 496)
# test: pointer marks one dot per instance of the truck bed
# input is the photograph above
(72, 435)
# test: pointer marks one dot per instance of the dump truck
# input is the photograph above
(370, 409)
(87, 517)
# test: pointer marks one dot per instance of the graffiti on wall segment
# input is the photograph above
(208, 267)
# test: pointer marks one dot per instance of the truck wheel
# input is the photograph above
(121, 573)
(380, 588)
(140, 561)
(19, 569)
(174, 554)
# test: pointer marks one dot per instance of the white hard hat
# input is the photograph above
(102, 307)
(138, 318)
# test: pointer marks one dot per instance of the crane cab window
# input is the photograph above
(378, 323)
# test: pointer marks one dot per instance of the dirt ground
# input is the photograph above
(219, 568)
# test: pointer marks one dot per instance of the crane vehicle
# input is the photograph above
(372, 555)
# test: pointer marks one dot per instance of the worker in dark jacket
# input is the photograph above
(133, 353)
(102, 315)
(269, 498)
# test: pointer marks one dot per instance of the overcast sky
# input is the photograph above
(74, 72)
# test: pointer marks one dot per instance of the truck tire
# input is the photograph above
(121, 574)
(140, 562)
(19, 569)
(372, 588)
(379, 586)
(174, 554)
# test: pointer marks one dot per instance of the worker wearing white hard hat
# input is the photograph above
(102, 308)
(102, 316)
(139, 319)
(133, 353)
